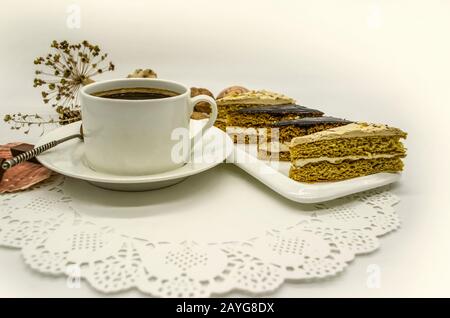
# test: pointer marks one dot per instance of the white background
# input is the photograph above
(379, 61)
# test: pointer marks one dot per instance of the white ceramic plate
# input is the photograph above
(68, 159)
(275, 175)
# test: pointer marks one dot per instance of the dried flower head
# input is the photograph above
(61, 75)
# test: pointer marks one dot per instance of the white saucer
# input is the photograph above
(68, 159)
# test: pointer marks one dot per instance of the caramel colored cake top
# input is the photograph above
(260, 97)
(350, 131)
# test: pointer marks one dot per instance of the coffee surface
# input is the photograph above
(136, 93)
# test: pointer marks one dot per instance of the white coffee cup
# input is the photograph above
(133, 137)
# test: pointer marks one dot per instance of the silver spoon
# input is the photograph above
(9, 163)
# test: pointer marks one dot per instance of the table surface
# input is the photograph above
(374, 61)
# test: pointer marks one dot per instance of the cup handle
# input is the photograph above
(212, 117)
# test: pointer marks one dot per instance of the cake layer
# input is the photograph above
(222, 111)
(303, 162)
(282, 110)
(275, 156)
(357, 146)
(326, 171)
(350, 131)
(273, 151)
(266, 116)
(287, 130)
(220, 123)
(284, 131)
(241, 135)
(244, 139)
(274, 146)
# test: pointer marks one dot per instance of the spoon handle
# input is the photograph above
(7, 164)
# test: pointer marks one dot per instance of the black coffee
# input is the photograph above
(136, 93)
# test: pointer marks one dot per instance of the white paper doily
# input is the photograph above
(57, 238)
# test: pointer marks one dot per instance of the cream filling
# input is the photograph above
(244, 131)
(273, 147)
(298, 163)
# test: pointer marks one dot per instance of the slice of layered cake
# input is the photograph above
(275, 142)
(257, 122)
(240, 99)
(349, 151)
(221, 121)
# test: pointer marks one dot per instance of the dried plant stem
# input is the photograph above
(65, 71)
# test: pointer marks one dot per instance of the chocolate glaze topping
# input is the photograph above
(311, 121)
(280, 110)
